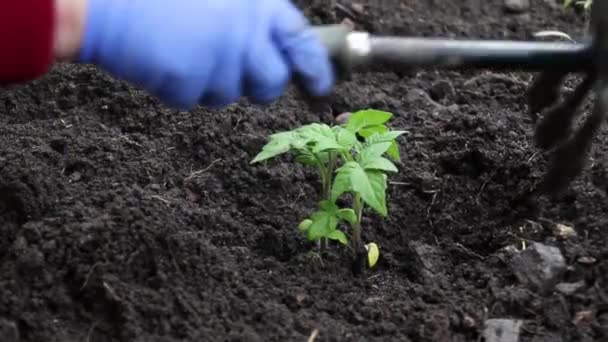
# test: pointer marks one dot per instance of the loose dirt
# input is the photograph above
(121, 220)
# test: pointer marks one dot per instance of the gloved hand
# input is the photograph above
(207, 52)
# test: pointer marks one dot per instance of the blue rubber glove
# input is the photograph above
(206, 52)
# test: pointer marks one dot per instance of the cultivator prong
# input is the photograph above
(554, 120)
(544, 92)
(570, 158)
(557, 121)
(556, 128)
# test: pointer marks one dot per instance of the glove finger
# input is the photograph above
(179, 92)
(267, 73)
(302, 49)
(225, 85)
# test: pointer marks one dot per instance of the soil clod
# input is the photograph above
(539, 266)
(8, 331)
(517, 6)
(102, 237)
(502, 330)
(569, 288)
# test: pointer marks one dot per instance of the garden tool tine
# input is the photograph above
(544, 92)
(557, 122)
(570, 158)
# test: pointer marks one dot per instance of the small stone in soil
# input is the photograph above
(569, 288)
(358, 8)
(564, 231)
(583, 317)
(586, 260)
(343, 118)
(502, 330)
(539, 266)
(430, 256)
(468, 322)
(517, 6)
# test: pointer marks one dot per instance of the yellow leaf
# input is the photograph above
(373, 253)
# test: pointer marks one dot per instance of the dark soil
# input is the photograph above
(121, 220)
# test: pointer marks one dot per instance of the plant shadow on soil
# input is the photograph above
(121, 220)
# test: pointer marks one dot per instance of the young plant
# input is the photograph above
(585, 3)
(353, 158)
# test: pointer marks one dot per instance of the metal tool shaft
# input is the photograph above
(510, 55)
(352, 49)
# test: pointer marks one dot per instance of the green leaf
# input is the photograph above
(366, 118)
(306, 157)
(279, 143)
(347, 215)
(373, 253)
(393, 151)
(369, 131)
(342, 180)
(304, 225)
(323, 157)
(370, 184)
(338, 235)
(321, 137)
(327, 144)
(345, 138)
(381, 164)
(372, 152)
(323, 223)
(329, 206)
(389, 136)
(315, 131)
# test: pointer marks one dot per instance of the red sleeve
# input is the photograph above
(26, 39)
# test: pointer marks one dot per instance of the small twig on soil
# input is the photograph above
(238, 121)
(111, 292)
(519, 238)
(533, 157)
(313, 335)
(469, 252)
(428, 210)
(64, 124)
(483, 186)
(199, 172)
(298, 197)
(316, 257)
(129, 141)
(90, 333)
(400, 183)
(166, 201)
(373, 277)
(89, 275)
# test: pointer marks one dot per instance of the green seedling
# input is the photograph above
(352, 159)
(585, 3)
